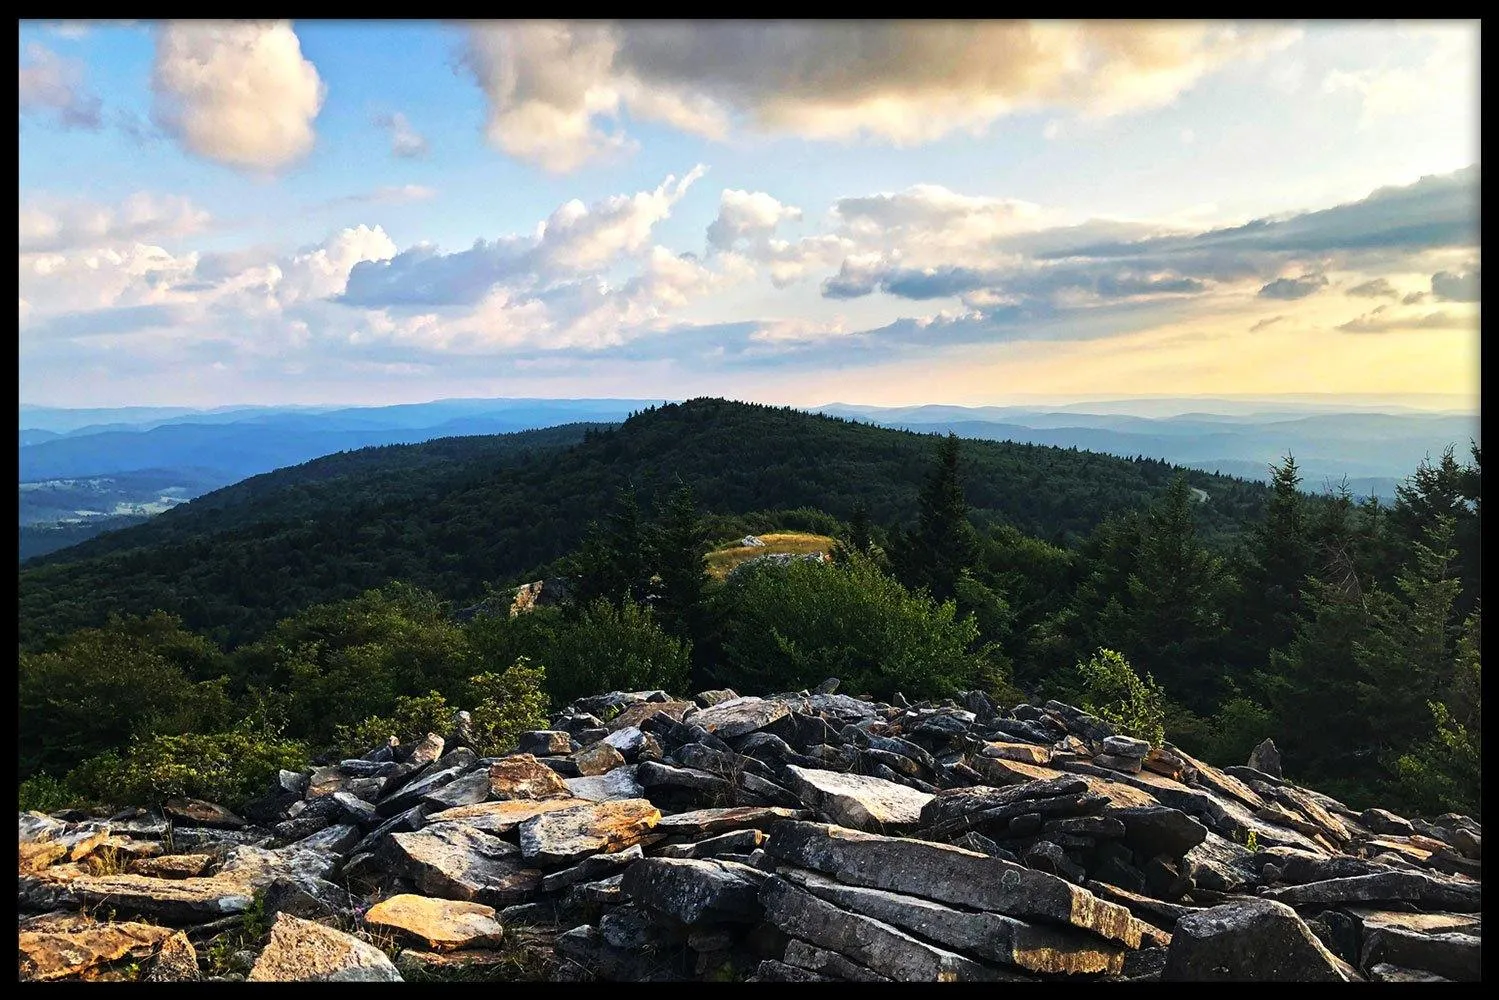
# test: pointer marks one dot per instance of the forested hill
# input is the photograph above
(453, 514)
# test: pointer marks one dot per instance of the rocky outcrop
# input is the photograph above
(804, 837)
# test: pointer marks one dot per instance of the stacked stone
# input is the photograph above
(799, 837)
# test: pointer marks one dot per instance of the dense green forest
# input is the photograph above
(456, 514)
(1348, 632)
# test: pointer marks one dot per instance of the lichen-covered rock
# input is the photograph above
(600, 758)
(991, 936)
(171, 866)
(67, 945)
(439, 924)
(886, 950)
(501, 817)
(301, 951)
(196, 812)
(738, 716)
(567, 835)
(695, 892)
(1250, 940)
(949, 875)
(856, 800)
(459, 861)
(522, 776)
(619, 783)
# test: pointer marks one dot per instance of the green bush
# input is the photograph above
(336, 664)
(410, 719)
(44, 793)
(1115, 693)
(791, 626)
(504, 706)
(608, 648)
(98, 688)
(507, 705)
(227, 767)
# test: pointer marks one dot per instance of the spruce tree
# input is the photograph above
(681, 542)
(1279, 559)
(944, 543)
(1175, 597)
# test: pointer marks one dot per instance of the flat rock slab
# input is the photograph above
(705, 822)
(1027, 753)
(950, 875)
(694, 892)
(1250, 940)
(856, 800)
(301, 951)
(876, 945)
(196, 812)
(172, 866)
(458, 861)
(992, 936)
(810, 958)
(1410, 887)
(739, 716)
(230, 890)
(522, 776)
(440, 924)
(63, 946)
(567, 835)
(619, 783)
(502, 817)
(465, 790)
(634, 715)
(591, 869)
(1452, 954)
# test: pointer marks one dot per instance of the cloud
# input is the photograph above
(747, 217)
(1294, 288)
(1381, 320)
(556, 91)
(1262, 324)
(1447, 286)
(398, 194)
(1375, 289)
(1413, 298)
(64, 225)
(52, 87)
(1392, 90)
(238, 93)
(405, 141)
(574, 238)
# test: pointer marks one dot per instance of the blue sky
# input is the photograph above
(377, 212)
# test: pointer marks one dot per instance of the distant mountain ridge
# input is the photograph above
(456, 513)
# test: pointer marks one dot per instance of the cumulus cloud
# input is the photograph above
(52, 87)
(1262, 324)
(556, 90)
(1293, 288)
(238, 93)
(574, 238)
(1383, 320)
(1449, 286)
(1376, 289)
(405, 141)
(749, 217)
(63, 225)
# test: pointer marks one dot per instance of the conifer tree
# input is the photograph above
(681, 543)
(944, 543)
(1175, 598)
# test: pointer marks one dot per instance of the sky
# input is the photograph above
(323, 212)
